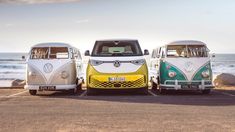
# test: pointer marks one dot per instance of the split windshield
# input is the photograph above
(187, 51)
(117, 48)
(49, 53)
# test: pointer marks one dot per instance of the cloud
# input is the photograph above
(35, 1)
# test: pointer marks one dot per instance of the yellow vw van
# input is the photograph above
(117, 64)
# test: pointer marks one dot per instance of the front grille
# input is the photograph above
(127, 84)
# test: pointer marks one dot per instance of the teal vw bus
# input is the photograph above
(182, 65)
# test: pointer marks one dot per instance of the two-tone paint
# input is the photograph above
(107, 72)
(181, 73)
(61, 74)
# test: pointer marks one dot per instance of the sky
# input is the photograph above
(24, 23)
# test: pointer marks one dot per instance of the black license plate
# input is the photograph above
(47, 87)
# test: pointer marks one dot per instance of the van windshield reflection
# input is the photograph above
(187, 51)
(117, 48)
(49, 53)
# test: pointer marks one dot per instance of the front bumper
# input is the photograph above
(57, 87)
(187, 85)
(130, 81)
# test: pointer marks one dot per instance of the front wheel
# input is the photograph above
(79, 87)
(73, 91)
(154, 86)
(32, 92)
(144, 91)
(90, 91)
(162, 91)
(207, 91)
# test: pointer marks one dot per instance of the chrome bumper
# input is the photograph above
(191, 85)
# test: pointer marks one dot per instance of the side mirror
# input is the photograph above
(213, 55)
(87, 53)
(146, 52)
(23, 57)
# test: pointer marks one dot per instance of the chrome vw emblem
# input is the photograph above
(48, 68)
(189, 66)
(117, 63)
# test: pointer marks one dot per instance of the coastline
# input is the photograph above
(223, 81)
(12, 84)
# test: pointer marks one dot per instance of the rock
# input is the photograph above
(225, 79)
(18, 83)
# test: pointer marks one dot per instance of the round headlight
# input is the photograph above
(206, 74)
(171, 74)
(64, 74)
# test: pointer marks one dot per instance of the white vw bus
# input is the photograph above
(182, 65)
(117, 64)
(53, 66)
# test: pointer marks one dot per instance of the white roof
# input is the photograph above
(187, 42)
(52, 44)
(118, 40)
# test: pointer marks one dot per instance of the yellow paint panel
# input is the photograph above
(138, 79)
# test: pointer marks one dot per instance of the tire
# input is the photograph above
(143, 91)
(162, 91)
(79, 87)
(154, 86)
(73, 91)
(32, 92)
(207, 91)
(90, 91)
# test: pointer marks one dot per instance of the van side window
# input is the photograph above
(79, 55)
(154, 54)
(159, 51)
(162, 52)
(76, 54)
(73, 53)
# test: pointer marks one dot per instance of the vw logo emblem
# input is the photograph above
(48, 68)
(117, 63)
(188, 66)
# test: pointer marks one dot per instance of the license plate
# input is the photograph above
(117, 79)
(47, 87)
(190, 86)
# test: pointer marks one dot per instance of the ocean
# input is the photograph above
(223, 63)
(12, 66)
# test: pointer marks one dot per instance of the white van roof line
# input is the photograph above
(186, 42)
(52, 44)
(117, 40)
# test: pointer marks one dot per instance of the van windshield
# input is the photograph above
(49, 53)
(187, 51)
(117, 48)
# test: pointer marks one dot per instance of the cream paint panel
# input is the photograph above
(124, 67)
(39, 64)
(188, 65)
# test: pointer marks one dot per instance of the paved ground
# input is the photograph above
(117, 111)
